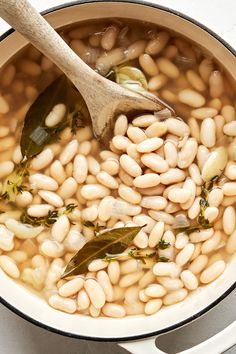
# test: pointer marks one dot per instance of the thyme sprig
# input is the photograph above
(14, 184)
(140, 254)
(202, 221)
(95, 227)
(47, 220)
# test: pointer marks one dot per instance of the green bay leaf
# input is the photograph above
(35, 134)
(110, 242)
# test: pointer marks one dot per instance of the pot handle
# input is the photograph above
(214, 345)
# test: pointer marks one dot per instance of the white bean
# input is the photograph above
(60, 228)
(161, 216)
(136, 135)
(114, 271)
(189, 279)
(6, 239)
(93, 165)
(93, 311)
(175, 297)
(129, 194)
(56, 115)
(177, 127)
(201, 235)
(121, 125)
(83, 301)
(95, 293)
(211, 244)
(146, 279)
(51, 198)
(4, 106)
(179, 195)
(181, 241)
(211, 213)
(105, 283)
(215, 197)
(228, 112)
(184, 255)
(52, 249)
(74, 241)
(230, 128)
(229, 188)
(69, 152)
(173, 175)
(195, 80)
(42, 160)
(230, 170)
(130, 279)
(155, 290)
(41, 181)
(171, 154)
(148, 64)
(158, 43)
(170, 284)
(62, 304)
(187, 153)
(191, 98)
(168, 68)
(146, 181)
(155, 203)
(198, 264)
(156, 129)
(169, 269)
(23, 231)
(229, 220)
(214, 163)
(144, 121)
(154, 162)
(216, 84)
(152, 306)
(97, 264)
(113, 310)
(9, 266)
(6, 168)
(24, 199)
(212, 272)
(80, 168)
(68, 188)
(208, 132)
(94, 191)
(107, 180)
(71, 287)
(130, 166)
(149, 145)
(231, 243)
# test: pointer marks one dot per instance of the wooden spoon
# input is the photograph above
(105, 99)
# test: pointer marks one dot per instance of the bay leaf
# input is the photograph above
(112, 242)
(34, 134)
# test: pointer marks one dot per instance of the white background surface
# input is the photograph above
(20, 337)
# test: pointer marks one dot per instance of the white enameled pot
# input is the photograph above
(136, 333)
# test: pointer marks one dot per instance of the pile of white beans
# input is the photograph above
(152, 172)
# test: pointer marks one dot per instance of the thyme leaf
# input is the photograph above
(162, 259)
(13, 185)
(95, 227)
(162, 245)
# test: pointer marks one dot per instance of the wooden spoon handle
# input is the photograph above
(22, 16)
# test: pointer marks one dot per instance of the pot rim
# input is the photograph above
(207, 308)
